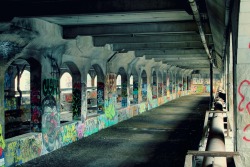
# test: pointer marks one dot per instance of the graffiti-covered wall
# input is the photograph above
(23, 148)
(201, 83)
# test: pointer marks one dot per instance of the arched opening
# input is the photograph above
(154, 85)
(135, 89)
(91, 92)
(17, 102)
(95, 91)
(144, 86)
(66, 97)
(160, 84)
(164, 86)
(122, 89)
(170, 83)
(71, 89)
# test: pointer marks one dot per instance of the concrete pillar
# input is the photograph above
(50, 104)
(135, 89)
(154, 82)
(243, 83)
(124, 90)
(110, 96)
(35, 95)
(84, 109)
(77, 95)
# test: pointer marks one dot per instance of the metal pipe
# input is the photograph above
(216, 140)
(198, 21)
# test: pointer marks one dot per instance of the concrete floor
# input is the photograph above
(159, 137)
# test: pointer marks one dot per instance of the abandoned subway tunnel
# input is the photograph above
(76, 76)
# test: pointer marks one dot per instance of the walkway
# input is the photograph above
(159, 137)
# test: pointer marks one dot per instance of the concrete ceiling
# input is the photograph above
(163, 30)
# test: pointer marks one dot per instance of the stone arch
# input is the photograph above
(96, 71)
(122, 91)
(164, 83)
(154, 85)
(160, 84)
(143, 93)
(76, 95)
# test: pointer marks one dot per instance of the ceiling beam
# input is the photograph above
(131, 29)
(171, 52)
(156, 46)
(180, 59)
(102, 40)
(179, 56)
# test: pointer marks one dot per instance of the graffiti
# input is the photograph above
(197, 88)
(154, 91)
(35, 96)
(110, 83)
(50, 87)
(9, 79)
(50, 124)
(8, 48)
(12, 154)
(124, 95)
(160, 87)
(144, 92)
(245, 130)
(244, 103)
(110, 91)
(68, 97)
(23, 150)
(35, 118)
(80, 130)
(104, 122)
(100, 97)
(76, 105)
(164, 88)
(10, 103)
(84, 103)
(135, 92)
(68, 134)
(134, 110)
(142, 108)
(160, 101)
(2, 146)
(170, 87)
(30, 148)
(244, 99)
(123, 114)
(35, 110)
(91, 126)
(110, 109)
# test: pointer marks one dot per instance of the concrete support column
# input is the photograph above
(230, 92)
(110, 96)
(84, 109)
(243, 83)
(124, 91)
(50, 104)
(77, 96)
(35, 95)
(135, 89)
